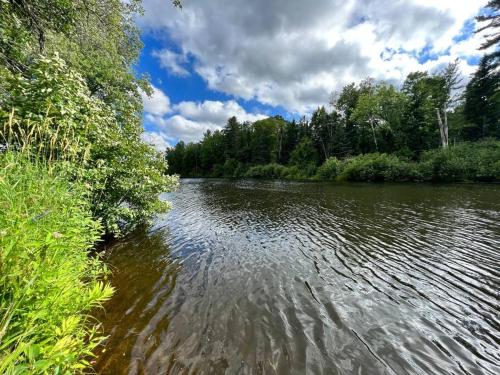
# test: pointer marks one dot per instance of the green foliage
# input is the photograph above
(68, 89)
(48, 283)
(268, 171)
(277, 171)
(482, 102)
(230, 167)
(329, 170)
(478, 161)
(377, 167)
(75, 168)
(264, 140)
(304, 154)
(52, 106)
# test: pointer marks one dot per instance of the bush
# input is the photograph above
(230, 167)
(442, 165)
(479, 161)
(268, 171)
(240, 171)
(48, 283)
(278, 171)
(52, 112)
(217, 170)
(330, 169)
(378, 167)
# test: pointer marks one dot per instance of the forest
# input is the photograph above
(432, 128)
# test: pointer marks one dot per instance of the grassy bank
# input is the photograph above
(48, 283)
(465, 162)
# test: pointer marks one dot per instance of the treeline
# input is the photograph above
(430, 111)
(73, 169)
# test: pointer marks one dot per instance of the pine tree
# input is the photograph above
(482, 102)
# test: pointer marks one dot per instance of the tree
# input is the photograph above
(451, 79)
(425, 94)
(324, 128)
(232, 137)
(57, 59)
(289, 137)
(482, 101)
(304, 154)
(264, 143)
(345, 104)
(380, 107)
(493, 23)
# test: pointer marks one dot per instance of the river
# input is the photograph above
(270, 277)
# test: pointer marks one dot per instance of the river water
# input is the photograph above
(249, 277)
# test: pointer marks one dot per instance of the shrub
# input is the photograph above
(217, 170)
(240, 171)
(230, 167)
(378, 167)
(442, 165)
(330, 169)
(268, 171)
(48, 283)
(477, 161)
(52, 112)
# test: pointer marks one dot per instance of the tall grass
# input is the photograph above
(48, 284)
(44, 139)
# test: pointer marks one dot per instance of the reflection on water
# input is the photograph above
(298, 278)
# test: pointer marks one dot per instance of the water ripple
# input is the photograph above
(297, 278)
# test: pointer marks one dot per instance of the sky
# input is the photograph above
(257, 58)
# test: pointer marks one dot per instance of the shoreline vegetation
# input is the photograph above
(73, 171)
(430, 129)
(466, 162)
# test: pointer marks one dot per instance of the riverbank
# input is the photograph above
(48, 283)
(465, 162)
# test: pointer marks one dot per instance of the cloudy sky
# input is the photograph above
(218, 58)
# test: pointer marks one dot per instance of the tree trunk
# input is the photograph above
(443, 128)
(324, 149)
(280, 144)
(373, 132)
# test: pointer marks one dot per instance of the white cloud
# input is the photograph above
(157, 139)
(157, 104)
(172, 62)
(215, 112)
(294, 53)
(187, 120)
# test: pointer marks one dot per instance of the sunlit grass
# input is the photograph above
(48, 283)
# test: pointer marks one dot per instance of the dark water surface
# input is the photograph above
(301, 278)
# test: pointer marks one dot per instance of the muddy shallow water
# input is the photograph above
(247, 277)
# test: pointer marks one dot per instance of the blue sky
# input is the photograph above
(219, 58)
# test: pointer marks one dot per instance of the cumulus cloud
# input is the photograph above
(157, 103)
(172, 62)
(215, 112)
(187, 120)
(159, 140)
(293, 53)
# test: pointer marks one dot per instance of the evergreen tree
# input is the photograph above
(493, 24)
(482, 102)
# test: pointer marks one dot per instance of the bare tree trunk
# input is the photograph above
(373, 132)
(446, 127)
(324, 149)
(280, 144)
(443, 128)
